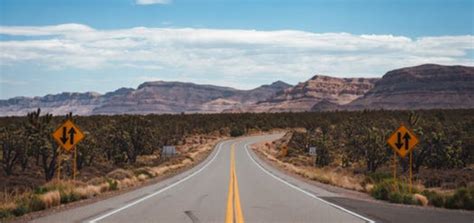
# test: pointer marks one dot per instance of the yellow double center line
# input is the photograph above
(234, 210)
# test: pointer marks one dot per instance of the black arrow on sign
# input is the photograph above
(399, 143)
(71, 132)
(64, 138)
(407, 138)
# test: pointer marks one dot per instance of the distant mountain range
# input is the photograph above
(422, 87)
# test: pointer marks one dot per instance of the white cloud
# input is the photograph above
(152, 2)
(227, 54)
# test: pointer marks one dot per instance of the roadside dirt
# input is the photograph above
(192, 154)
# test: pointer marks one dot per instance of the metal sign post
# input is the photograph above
(68, 135)
(403, 141)
(312, 152)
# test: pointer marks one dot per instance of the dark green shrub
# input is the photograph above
(21, 209)
(434, 198)
(381, 191)
(395, 197)
(407, 199)
(235, 132)
(113, 184)
(36, 204)
(67, 197)
(463, 198)
(40, 190)
(5, 213)
(394, 191)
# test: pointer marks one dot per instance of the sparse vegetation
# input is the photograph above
(351, 152)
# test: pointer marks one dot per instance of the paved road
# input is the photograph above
(232, 185)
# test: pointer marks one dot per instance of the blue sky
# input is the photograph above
(51, 46)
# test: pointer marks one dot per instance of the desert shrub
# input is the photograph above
(36, 204)
(408, 199)
(235, 132)
(51, 198)
(119, 174)
(87, 191)
(380, 192)
(399, 198)
(463, 198)
(143, 171)
(21, 208)
(420, 199)
(5, 213)
(113, 184)
(377, 177)
(395, 197)
(69, 196)
(434, 198)
(382, 189)
(40, 190)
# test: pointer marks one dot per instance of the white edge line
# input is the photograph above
(160, 191)
(305, 192)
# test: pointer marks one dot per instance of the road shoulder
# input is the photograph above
(362, 203)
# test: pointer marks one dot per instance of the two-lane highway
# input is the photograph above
(229, 186)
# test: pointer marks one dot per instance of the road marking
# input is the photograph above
(229, 217)
(159, 191)
(234, 209)
(303, 191)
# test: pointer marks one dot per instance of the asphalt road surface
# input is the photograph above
(233, 185)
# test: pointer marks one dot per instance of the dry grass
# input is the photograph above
(120, 174)
(51, 199)
(88, 191)
(7, 206)
(128, 182)
(421, 199)
(56, 192)
(338, 178)
(142, 177)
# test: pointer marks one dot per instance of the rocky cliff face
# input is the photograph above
(78, 103)
(150, 97)
(422, 87)
(305, 95)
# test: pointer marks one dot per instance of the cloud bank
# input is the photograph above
(226, 52)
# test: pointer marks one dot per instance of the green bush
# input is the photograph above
(36, 204)
(381, 191)
(463, 198)
(434, 198)
(234, 132)
(394, 191)
(400, 198)
(5, 213)
(67, 197)
(408, 199)
(40, 190)
(21, 209)
(113, 184)
(395, 197)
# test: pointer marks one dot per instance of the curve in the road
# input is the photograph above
(159, 191)
(303, 191)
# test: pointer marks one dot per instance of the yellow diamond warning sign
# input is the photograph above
(68, 135)
(402, 141)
